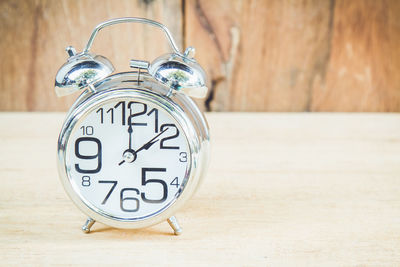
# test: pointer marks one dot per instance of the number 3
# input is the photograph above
(183, 157)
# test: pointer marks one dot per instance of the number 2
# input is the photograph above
(162, 145)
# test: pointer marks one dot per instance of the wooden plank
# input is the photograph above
(364, 61)
(298, 55)
(292, 189)
(35, 34)
(260, 55)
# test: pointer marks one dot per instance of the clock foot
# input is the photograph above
(174, 225)
(88, 224)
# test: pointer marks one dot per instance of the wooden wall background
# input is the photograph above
(271, 55)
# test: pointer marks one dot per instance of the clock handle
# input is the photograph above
(178, 71)
(134, 20)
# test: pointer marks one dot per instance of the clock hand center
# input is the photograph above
(130, 155)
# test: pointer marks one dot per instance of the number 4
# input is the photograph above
(175, 182)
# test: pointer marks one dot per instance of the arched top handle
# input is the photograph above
(133, 20)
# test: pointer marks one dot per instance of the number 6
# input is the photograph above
(122, 199)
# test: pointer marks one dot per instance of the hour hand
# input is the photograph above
(149, 144)
(130, 130)
(130, 155)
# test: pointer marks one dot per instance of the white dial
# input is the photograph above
(128, 159)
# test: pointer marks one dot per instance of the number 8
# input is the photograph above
(85, 180)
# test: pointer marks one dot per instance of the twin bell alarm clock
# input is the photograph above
(134, 146)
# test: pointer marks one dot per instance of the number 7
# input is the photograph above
(111, 190)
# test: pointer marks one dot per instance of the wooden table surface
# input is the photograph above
(282, 189)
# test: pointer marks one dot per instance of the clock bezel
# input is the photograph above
(195, 143)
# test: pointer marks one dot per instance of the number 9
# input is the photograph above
(80, 156)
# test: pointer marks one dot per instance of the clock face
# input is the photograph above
(128, 159)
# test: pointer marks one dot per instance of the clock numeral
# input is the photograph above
(85, 180)
(175, 182)
(142, 112)
(139, 113)
(87, 130)
(162, 145)
(148, 181)
(183, 157)
(131, 106)
(111, 112)
(101, 111)
(129, 203)
(122, 104)
(155, 112)
(124, 199)
(86, 157)
(114, 184)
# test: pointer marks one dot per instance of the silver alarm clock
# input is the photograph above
(134, 146)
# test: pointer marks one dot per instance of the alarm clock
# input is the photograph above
(134, 146)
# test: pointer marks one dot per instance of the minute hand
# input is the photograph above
(151, 142)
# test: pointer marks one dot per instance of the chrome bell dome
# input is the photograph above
(81, 71)
(180, 72)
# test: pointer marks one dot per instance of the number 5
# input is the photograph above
(164, 185)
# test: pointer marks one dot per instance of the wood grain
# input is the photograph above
(261, 55)
(288, 190)
(35, 34)
(363, 71)
(298, 55)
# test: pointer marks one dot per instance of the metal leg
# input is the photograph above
(88, 224)
(174, 225)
